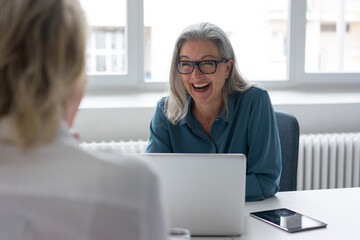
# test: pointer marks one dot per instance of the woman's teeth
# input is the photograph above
(201, 85)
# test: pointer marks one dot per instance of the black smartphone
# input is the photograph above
(288, 220)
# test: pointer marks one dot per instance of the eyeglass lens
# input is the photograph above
(204, 66)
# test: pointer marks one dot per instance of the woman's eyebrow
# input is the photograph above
(206, 56)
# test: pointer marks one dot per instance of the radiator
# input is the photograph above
(328, 161)
(325, 160)
(120, 146)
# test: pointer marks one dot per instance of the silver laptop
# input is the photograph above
(205, 193)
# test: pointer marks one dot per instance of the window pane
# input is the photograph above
(107, 47)
(100, 39)
(333, 36)
(257, 30)
(101, 63)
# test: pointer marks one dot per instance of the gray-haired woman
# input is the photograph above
(213, 109)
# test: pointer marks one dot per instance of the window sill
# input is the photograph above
(126, 115)
(148, 99)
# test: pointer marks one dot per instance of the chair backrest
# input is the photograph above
(289, 140)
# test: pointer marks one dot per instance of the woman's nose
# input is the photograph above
(197, 73)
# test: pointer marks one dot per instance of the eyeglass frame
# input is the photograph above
(197, 63)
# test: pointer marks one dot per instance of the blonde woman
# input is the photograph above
(49, 187)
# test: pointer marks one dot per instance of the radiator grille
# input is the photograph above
(329, 161)
(119, 146)
(325, 160)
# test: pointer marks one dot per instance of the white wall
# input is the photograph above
(127, 116)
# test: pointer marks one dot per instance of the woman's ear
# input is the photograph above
(72, 100)
(229, 65)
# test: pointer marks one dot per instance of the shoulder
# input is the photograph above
(162, 102)
(161, 108)
(124, 174)
(255, 91)
(106, 165)
(253, 94)
(255, 99)
(132, 164)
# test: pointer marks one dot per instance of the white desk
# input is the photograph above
(339, 208)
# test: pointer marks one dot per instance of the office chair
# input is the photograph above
(289, 140)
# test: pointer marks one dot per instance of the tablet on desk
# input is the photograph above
(288, 220)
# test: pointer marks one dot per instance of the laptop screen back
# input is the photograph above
(205, 193)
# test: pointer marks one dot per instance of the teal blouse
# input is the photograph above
(250, 128)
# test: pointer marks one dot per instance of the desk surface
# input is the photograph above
(339, 208)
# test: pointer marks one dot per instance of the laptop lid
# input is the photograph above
(205, 193)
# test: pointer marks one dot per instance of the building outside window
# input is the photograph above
(275, 41)
(333, 36)
(107, 46)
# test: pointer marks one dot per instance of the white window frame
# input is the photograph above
(296, 63)
(296, 75)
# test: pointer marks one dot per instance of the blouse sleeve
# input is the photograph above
(159, 141)
(264, 151)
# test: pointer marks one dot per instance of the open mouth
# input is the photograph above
(201, 86)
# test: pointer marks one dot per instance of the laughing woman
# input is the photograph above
(213, 109)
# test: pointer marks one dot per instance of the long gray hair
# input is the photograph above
(176, 106)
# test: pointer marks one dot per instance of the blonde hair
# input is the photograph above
(176, 105)
(42, 56)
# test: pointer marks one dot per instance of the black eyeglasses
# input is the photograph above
(206, 66)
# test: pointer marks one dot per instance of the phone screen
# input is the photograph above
(288, 220)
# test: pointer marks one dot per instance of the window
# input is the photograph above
(257, 30)
(333, 36)
(276, 42)
(106, 50)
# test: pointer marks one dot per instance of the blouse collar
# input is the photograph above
(231, 104)
(63, 135)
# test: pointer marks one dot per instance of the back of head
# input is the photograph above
(42, 46)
